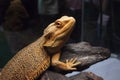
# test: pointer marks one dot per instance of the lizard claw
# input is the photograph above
(71, 63)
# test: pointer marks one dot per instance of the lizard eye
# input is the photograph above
(58, 24)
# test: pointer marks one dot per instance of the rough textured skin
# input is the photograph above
(27, 64)
(34, 59)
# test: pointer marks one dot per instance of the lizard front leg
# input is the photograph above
(69, 65)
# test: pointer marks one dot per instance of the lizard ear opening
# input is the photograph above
(48, 42)
(48, 36)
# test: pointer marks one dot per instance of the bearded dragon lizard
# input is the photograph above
(34, 59)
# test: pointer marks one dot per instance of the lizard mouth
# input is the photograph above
(61, 37)
(60, 34)
(67, 29)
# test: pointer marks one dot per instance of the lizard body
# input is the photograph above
(35, 58)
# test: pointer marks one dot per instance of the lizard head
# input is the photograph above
(57, 33)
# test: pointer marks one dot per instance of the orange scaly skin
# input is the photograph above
(34, 59)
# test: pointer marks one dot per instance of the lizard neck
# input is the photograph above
(41, 41)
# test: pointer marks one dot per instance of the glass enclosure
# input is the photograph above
(23, 21)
